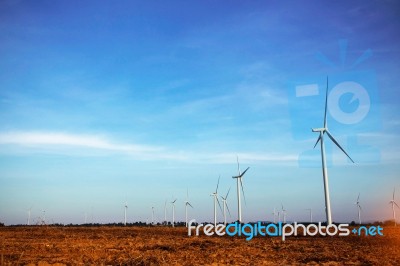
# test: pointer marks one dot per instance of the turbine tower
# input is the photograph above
(187, 203)
(165, 212)
(173, 212)
(29, 216)
(358, 208)
(283, 214)
(310, 210)
(125, 209)
(215, 195)
(239, 185)
(225, 204)
(274, 215)
(320, 139)
(393, 202)
(152, 215)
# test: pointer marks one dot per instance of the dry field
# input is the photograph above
(172, 246)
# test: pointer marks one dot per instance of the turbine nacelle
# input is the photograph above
(319, 129)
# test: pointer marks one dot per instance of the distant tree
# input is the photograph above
(1, 224)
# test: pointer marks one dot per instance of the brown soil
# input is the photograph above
(171, 246)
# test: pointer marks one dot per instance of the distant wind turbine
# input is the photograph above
(322, 131)
(274, 215)
(239, 185)
(279, 216)
(215, 195)
(225, 204)
(358, 208)
(125, 209)
(165, 212)
(173, 212)
(187, 203)
(310, 210)
(152, 215)
(393, 202)
(283, 214)
(44, 217)
(29, 215)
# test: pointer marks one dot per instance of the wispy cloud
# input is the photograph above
(35, 139)
(85, 145)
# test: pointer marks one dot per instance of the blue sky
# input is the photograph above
(137, 101)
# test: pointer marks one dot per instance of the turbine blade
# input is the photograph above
(241, 185)
(319, 138)
(190, 205)
(358, 197)
(227, 193)
(326, 104)
(393, 192)
(217, 184)
(396, 204)
(244, 172)
(226, 204)
(219, 204)
(359, 206)
(337, 144)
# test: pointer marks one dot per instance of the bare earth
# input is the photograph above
(171, 246)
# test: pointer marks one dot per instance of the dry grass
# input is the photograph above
(172, 246)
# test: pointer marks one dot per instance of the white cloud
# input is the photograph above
(88, 145)
(34, 139)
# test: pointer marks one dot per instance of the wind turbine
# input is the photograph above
(44, 218)
(165, 212)
(320, 139)
(238, 185)
(274, 214)
(187, 203)
(310, 210)
(173, 212)
(283, 214)
(225, 204)
(279, 216)
(358, 208)
(125, 209)
(215, 195)
(393, 202)
(29, 215)
(152, 215)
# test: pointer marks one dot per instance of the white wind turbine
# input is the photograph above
(152, 215)
(274, 215)
(358, 208)
(239, 185)
(187, 203)
(173, 212)
(215, 195)
(393, 202)
(279, 216)
(310, 210)
(125, 210)
(283, 214)
(225, 204)
(165, 212)
(322, 131)
(29, 216)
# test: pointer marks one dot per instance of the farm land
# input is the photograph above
(48, 245)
